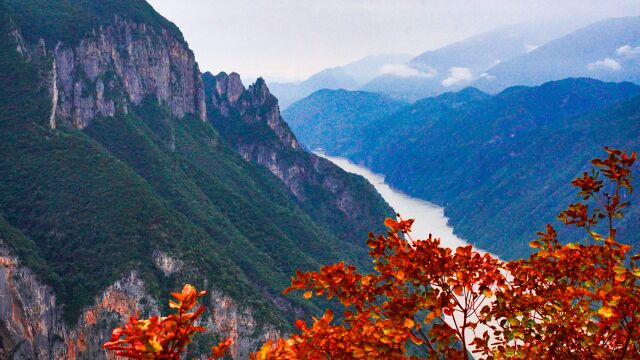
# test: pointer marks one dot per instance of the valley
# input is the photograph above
(430, 218)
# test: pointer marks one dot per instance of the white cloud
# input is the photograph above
(403, 70)
(627, 50)
(605, 64)
(457, 75)
(529, 48)
(487, 76)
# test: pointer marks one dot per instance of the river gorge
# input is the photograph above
(429, 217)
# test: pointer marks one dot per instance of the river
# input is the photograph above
(429, 218)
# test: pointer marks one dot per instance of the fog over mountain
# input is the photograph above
(293, 39)
(348, 77)
(455, 66)
(607, 50)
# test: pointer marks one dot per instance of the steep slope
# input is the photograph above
(335, 119)
(608, 50)
(249, 121)
(347, 77)
(115, 190)
(492, 161)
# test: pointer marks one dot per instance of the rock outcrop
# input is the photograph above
(31, 324)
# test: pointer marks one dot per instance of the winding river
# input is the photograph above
(429, 218)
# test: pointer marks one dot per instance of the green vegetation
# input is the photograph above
(71, 20)
(492, 160)
(84, 208)
(348, 112)
(317, 178)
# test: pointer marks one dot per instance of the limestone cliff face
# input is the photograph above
(116, 65)
(31, 325)
(250, 121)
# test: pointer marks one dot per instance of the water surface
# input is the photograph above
(429, 218)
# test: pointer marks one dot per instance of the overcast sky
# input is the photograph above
(292, 39)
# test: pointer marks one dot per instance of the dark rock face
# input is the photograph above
(250, 121)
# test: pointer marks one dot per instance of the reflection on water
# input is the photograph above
(429, 218)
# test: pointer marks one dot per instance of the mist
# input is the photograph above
(291, 39)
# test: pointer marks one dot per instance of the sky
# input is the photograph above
(285, 40)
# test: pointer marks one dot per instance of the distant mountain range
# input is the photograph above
(500, 165)
(455, 66)
(608, 50)
(529, 54)
(348, 77)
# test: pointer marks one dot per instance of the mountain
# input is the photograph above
(608, 50)
(333, 119)
(117, 189)
(500, 165)
(457, 65)
(348, 77)
(250, 122)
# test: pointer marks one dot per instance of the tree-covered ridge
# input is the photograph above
(71, 20)
(348, 112)
(486, 158)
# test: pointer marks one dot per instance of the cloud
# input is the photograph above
(487, 76)
(605, 64)
(457, 75)
(403, 70)
(529, 48)
(627, 50)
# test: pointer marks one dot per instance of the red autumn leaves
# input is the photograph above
(423, 301)
(164, 337)
(567, 301)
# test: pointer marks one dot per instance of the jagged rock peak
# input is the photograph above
(229, 85)
(259, 90)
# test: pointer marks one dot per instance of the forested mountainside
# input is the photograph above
(498, 164)
(116, 189)
(249, 121)
(350, 113)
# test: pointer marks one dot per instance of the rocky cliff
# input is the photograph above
(249, 120)
(116, 65)
(31, 324)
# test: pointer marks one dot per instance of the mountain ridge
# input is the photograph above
(420, 149)
(590, 51)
